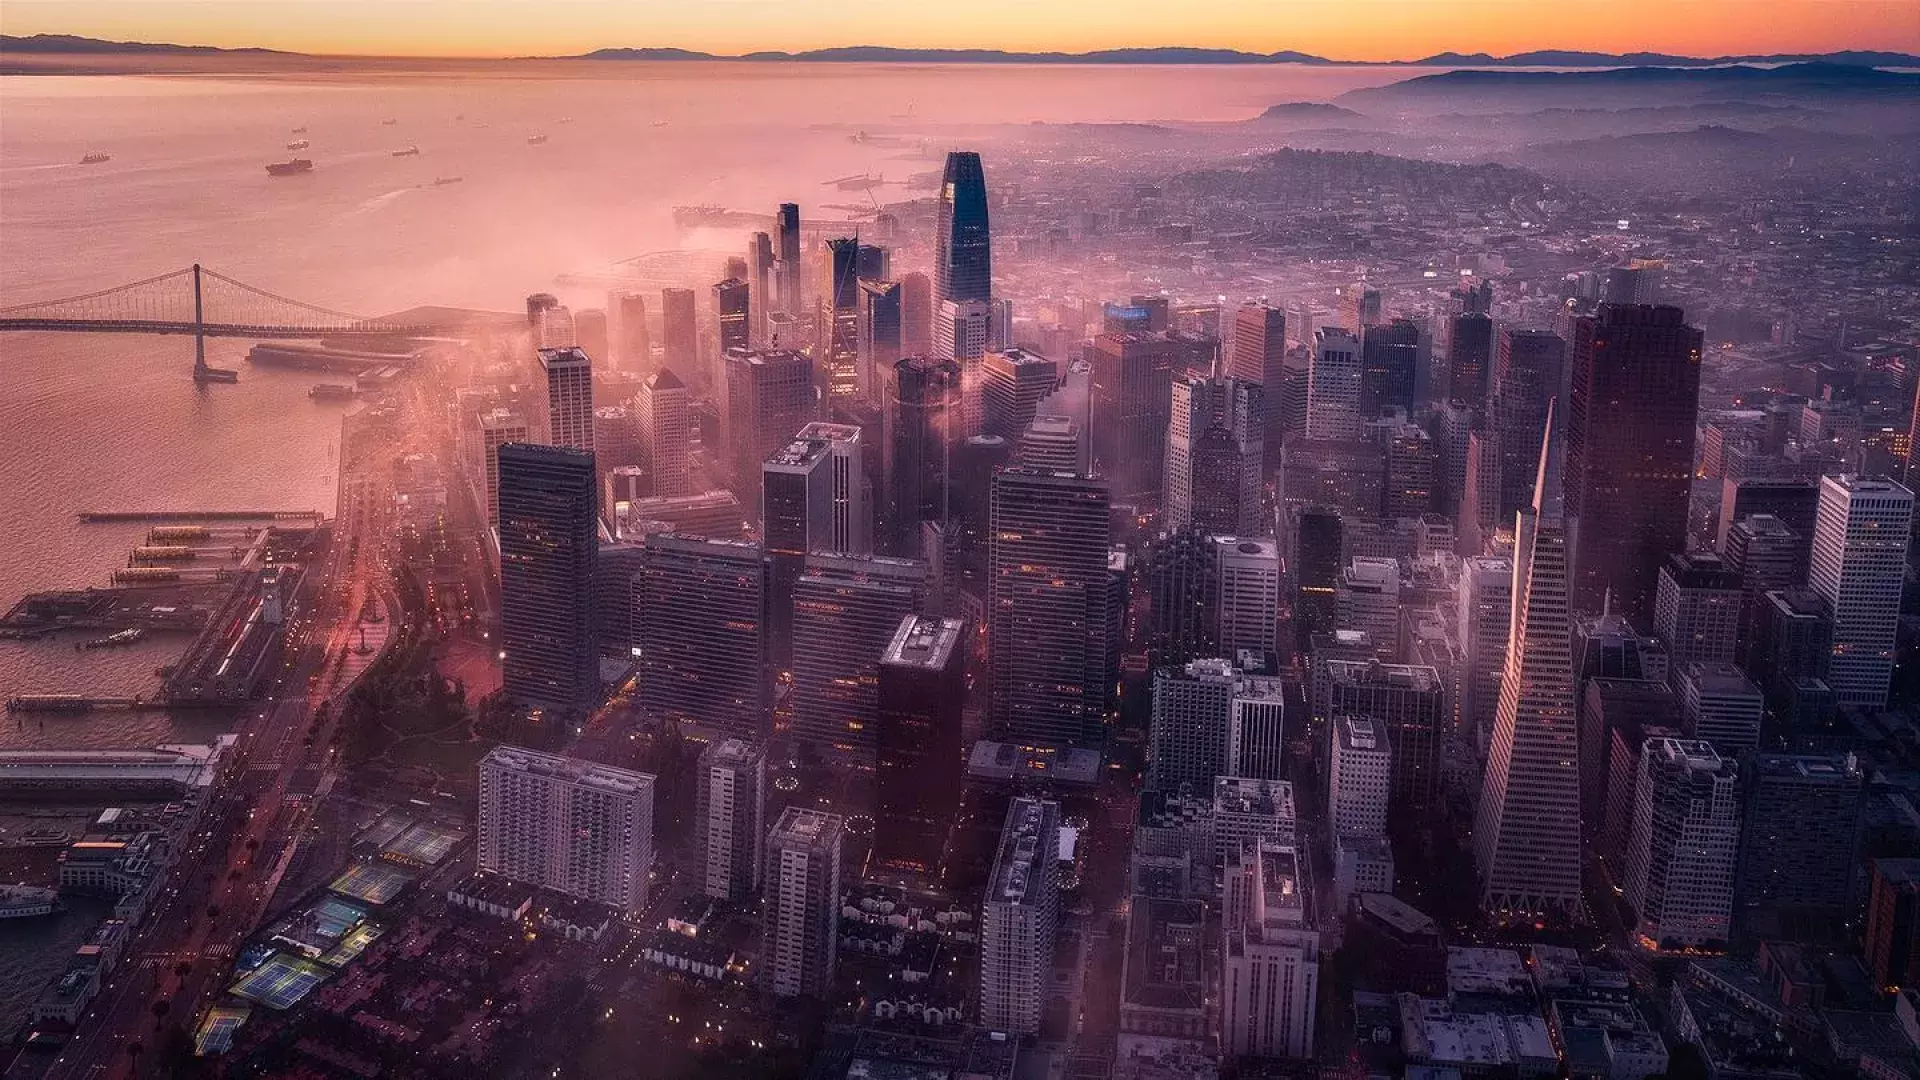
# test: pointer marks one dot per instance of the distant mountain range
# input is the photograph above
(68, 44)
(1812, 78)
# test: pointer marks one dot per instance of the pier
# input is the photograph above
(77, 703)
(100, 517)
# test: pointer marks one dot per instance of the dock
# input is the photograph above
(99, 517)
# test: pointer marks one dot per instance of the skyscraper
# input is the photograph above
(1214, 456)
(1333, 387)
(1630, 427)
(729, 807)
(1131, 375)
(1486, 607)
(1270, 963)
(732, 309)
(1527, 840)
(1798, 850)
(1686, 836)
(1407, 701)
(1470, 359)
(497, 428)
(1183, 587)
(569, 397)
(770, 395)
(627, 336)
(916, 315)
(1259, 355)
(1047, 606)
(666, 431)
(880, 334)
(1527, 372)
(1696, 609)
(548, 545)
(1360, 777)
(1019, 917)
(760, 288)
(800, 918)
(1390, 365)
(1193, 713)
(960, 331)
(1012, 386)
(788, 268)
(700, 606)
(922, 423)
(1247, 596)
(679, 331)
(1859, 562)
(840, 318)
(918, 742)
(573, 826)
(846, 609)
(963, 243)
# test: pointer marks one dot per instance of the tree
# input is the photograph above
(160, 1008)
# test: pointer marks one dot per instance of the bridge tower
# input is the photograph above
(202, 374)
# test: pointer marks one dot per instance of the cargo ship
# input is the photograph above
(293, 167)
(536, 140)
(328, 391)
(94, 158)
(116, 640)
(409, 151)
(443, 181)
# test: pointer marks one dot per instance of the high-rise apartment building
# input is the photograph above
(569, 377)
(846, 609)
(666, 431)
(918, 742)
(1630, 429)
(770, 395)
(1859, 562)
(1333, 387)
(1527, 839)
(1047, 619)
(573, 826)
(962, 239)
(729, 807)
(1270, 962)
(1686, 836)
(800, 916)
(1019, 917)
(700, 606)
(548, 546)
(1359, 778)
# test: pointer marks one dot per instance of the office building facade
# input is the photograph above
(548, 548)
(573, 826)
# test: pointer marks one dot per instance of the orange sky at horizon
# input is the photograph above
(1376, 30)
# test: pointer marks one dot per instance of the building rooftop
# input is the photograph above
(1256, 798)
(1030, 836)
(1008, 761)
(1397, 914)
(1360, 733)
(1407, 676)
(576, 771)
(800, 827)
(189, 766)
(923, 641)
(570, 356)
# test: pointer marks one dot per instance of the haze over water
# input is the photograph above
(112, 422)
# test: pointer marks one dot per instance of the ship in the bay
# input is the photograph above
(27, 901)
(292, 167)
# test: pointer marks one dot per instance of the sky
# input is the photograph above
(1369, 30)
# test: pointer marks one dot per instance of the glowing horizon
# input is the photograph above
(1383, 30)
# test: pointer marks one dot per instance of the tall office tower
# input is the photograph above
(1259, 355)
(573, 826)
(1527, 841)
(1765, 553)
(1052, 444)
(666, 430)
(1013, 384)
(873, 263)
(700, 606)
(1720, 705)
(732, 310)
(1454, 426)
(1623, 714)
(1478, 514)
(760, 287)
(810, 500)
(1410, 469)
(840, 319)
(916, 314)
(918, 742)
(1795, 502)
(1607, 646)
(1527, 372)
(1470, 359)
(1798, 846)
(920, 425)
(1018, 918)
(845, 611)
(1246, 810)
(770, 395)
(1485, 610)
(960, 333)
(1047, 591)
(1696, 609)
(1333, 387)
(1638, 282)
(962, 241)
(497, 428)
(1214, 456)
(1270, 958)
(1409, 701)
(1636, 393)
(879, 334)
(678, 330)
(1360, 307)
(1257, 731)
(1793, 641)
(1000, 324)
(1360, 777)
(569, 377)
(1368, 600)
(1193, 708)
(548, 517)
(800, 917)
(1131, 374)
(1859, 561)
(1319, 538)
(787, 269)
(1686, 836)
(627, 336)
(1389, 366)
(1892, 944)
(555, 330)
(1247, 597)
(1183, 582)
(729, 808)
(538, 304)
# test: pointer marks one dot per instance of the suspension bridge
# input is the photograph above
(197, 301)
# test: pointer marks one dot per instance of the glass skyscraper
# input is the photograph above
(963, 245)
